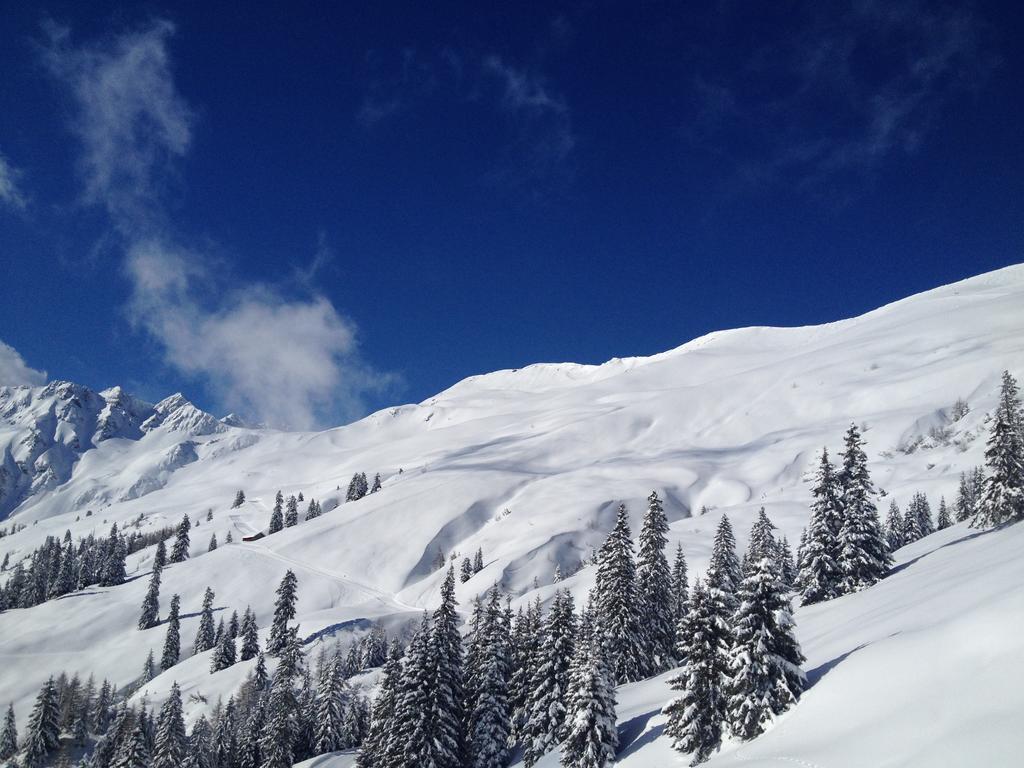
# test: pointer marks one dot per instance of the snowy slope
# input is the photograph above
(527, 464)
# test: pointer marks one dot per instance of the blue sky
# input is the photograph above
(304, 213)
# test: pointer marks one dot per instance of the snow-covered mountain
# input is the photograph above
(528, 465)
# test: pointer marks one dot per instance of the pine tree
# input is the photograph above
(448, 747)
(1002, 499)
(466, 570)
(9, 735)
(680, 588)
(356, 487)
(277, 516)
(200, 745)
(43, 734)
(383, 724)
(724, 572)
(410, 741)
(172, 641)
(591, 735)
(133, 751)
(277, 741)
(160, 556)
(863, 553)
(213, 543)
(526, 644)
(924, 514)
(911, 530)
(260, 677)
(376, 483)
(965, 502)
(894, 527)
(616, 604)
(765, 677)
(944, 520)
(787, 565)
(104, 705)
(550, 685)
(329, 706)
(478, 560)
(821, 574)
(179, 552)
(148, 667)
(490, 719)
(224, 655)
(695, 717)
(150, 615)
(171, 744)
(291, 513)
(284, 611)
(206, 636)
(250, 636)
(113, 571)
(654, 589)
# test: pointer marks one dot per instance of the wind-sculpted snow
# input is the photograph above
(529, 466)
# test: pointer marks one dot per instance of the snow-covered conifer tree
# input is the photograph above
(329, 708)
(172, 640)
(150, 615)
(179, 552)
(383, 725)
(550, 687)
(911, 530)
(277, 741)
(213, 543)
(526, 644)
(239, 499)
(206, 635)
(863, 552)
(616, 605)
(250, 636)
(478, 560)
(277, 515)
(447, 714)
(376, 483)
(680, 587)
(291, 515)
(695, 718)
(765, 677)
(821, 574)
(171, 743)
(411, 740)
(591, 734)
(9, 735)
(654, 590)
(490, 720)
(284, 611)
(724, 573)
(944, 520)
(894, 527)
(1002, 499)
(466, 570)
(43, 733)
(224, 655)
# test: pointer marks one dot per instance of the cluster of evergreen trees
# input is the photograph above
(58, 567)
(741, 663)
(470, 568)
(358, 486)
(844, 548)
(286, 513)
(1002, 498)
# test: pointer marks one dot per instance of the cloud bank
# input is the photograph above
(289, 360)
(14, 371)
(10, 193)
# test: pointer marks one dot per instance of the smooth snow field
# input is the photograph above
(924, 669)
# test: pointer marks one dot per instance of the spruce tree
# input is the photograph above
(179, 552)
(695, 718)
(478, 560)
(924, 514)
(863, 553)
(206, 635)
(9, 735)
(277, 516)
(213, 543)
(224, 655)
(526, 644)
(466, 570)
(724, 573)
(680, 587)
(113, 571)
(1002, 499)
(376, 483)
(894, 527)
(787, 565)
(277, 741)
(250, 635)
(911, 530)
(944, 520)
(965, 502)
(133, 751)
(591, 735)
(171, 743)
(410, 741)
(43, 733)
(149, 667)
(765, 677)
(150, 615)
(616, 605)
(172, 641)
(490, 719)
(821, 575)
(654, 590)
(284, 611)
(550, 686)
(291, 514)
(448, 746)
(239, 499)
(160, 556)
(329, 708)
(200, 744)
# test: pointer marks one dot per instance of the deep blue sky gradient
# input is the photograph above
(672, 170)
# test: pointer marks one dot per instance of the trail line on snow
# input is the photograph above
(373, 591)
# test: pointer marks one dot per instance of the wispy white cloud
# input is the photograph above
(288, 358)
(290, 362)
(10, 190)
(131, 120)
(14, 371)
